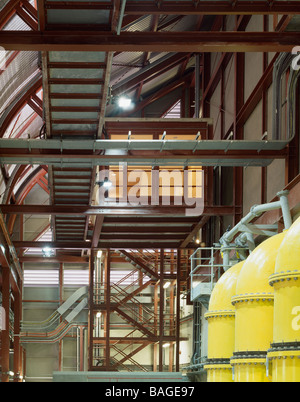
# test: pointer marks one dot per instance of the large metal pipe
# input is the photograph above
(221, 327)
(254, 301)
(284, 354)
(281, 65)
(255, 212)
(122, 12)
(197, 86)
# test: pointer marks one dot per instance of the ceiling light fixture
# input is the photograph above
(124, 102)
(48, 252)
(106, 183)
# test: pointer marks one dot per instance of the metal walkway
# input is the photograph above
(65, 153)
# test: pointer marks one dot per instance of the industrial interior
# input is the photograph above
(149, 191)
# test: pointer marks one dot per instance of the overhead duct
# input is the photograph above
(254, 301)
(282, 64)
(221, 327)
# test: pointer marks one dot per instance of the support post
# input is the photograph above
(91, 309)
(107, 299)
(17, 348)
(5, 331)
(161, 310)
(178, 274)
(238, 131)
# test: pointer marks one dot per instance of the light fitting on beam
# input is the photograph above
(47, 252)
(125, 102)
(106, 183)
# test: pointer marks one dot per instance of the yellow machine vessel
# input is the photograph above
(221, 327)
(284, 355)
(254, 303)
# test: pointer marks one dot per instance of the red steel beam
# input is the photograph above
(8, 11)
(97, 230)
(212, 7)
(185, 8)
(82, 210)
(19, 105)
(27, 18)
(256, 95)
(24, 191)
(150, 73)
(150, 42)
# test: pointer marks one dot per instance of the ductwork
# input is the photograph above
(284, 63)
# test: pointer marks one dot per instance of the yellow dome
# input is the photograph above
(254, 276)
(225, 288)
(288, 256)
(286, 285)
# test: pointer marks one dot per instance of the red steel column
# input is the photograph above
(238, 132)
(17, 348)
(91, 310)
(5, 331)
(107, 335)
(161, 311)
(178, 274)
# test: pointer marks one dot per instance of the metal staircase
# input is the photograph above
(137, 312)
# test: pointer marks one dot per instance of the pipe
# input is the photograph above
(258, 210)
(197, 86)
(246, 239)
(122, 12)
(226, 258)
(77, 349)
(286, 213)
(281, 65)
(291, 103)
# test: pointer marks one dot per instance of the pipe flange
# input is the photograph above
(283, 193)
(283, 354)
(282, 276)
(217, 367)
(217, 361)
(256, 357)
(255, 214)
(219, 313)
(252, 297)
(250, 354)
(284, 346)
